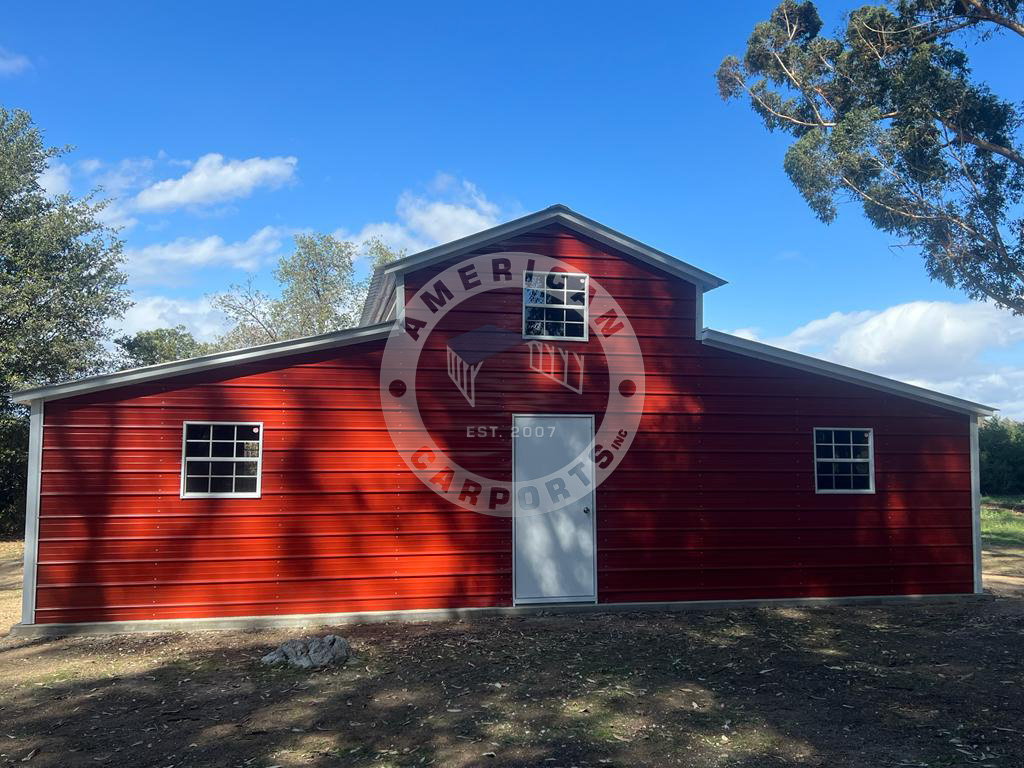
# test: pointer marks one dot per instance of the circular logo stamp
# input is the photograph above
(493, 371)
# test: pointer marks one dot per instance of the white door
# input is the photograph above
(553, 548)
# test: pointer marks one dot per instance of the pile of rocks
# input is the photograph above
(310, 652)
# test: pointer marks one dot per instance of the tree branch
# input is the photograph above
(986, 13)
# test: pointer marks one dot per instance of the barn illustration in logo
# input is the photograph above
(467, 352)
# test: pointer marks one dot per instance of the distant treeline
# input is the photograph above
(1002, 456)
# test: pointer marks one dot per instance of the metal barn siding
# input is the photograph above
(341, 525)
(715, 499)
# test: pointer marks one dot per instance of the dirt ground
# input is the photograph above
(900, 686)
(11, 554)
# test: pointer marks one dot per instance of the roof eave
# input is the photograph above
(577, 222)
(766, 352)
(215, 361)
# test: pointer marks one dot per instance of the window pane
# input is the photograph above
(554, 329)
(245, 485)
(534, 314)
(822, 436)
(250, 433)
(222, 468)
(861, 483)
(860, 468)
(573, 316)
(574, 330)
(842, 451)
(823, 451)
(554, 315)
(198, 468)
(224, 432)
(860, 437)
(575, 282)
(247, 450)
(841, 436)
(221, 484)
(860, 452)
(533, 296)
(197, 485)
(577, 299)
(826, 483)
(535, 328)
(843, 482)
(824, 467)
(555, 297)
(197, 431)
(223, 449)
(247, 468)
(555, 280)
(197, 449)
(843, 468)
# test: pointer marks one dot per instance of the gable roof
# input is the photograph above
(385, 277)
(772, 354)
(148, 373)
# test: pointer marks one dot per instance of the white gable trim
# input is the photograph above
(559, 214)
(206, 363)
(771, 354)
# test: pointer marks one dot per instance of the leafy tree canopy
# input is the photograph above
(60, 284)
(161, 345)
(886, 113)
(319, 293)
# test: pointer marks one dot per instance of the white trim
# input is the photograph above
(593, 515)
(756, 349)
(222, 495)
(698, 332)
(586, 307)
(32, 494)
(568, 218)
(343, 338)
(237, 623)
(870, 460)
(400, 301)
(976, 505)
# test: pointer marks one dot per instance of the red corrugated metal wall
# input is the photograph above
(714, 500)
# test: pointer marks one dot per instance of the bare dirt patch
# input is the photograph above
(924, 685)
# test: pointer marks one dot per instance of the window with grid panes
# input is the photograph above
(844, 460)
(221, 459)
(555, 306)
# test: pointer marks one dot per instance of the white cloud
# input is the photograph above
(12, 63)
(451, 208)
(55, 179)
(936, 344)
(215, 180)
(169, 262)
(197, 315)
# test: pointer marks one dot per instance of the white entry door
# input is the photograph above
(554, 549)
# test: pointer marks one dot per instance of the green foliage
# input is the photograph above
(1001, 445)
(161, 345)
(318, 293)
(60, 283)
(887, 114)
(1002, 521)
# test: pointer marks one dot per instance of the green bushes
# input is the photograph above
(1001, 442)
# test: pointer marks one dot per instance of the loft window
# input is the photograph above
(844, 460)
(221, 459)
(555, 306)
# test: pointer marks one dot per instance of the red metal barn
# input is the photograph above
(266, 483)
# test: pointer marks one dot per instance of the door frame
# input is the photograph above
(515, 507)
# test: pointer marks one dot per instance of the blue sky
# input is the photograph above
(220, 129)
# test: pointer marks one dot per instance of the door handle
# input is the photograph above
(586, 510)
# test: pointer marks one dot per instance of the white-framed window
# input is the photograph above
(221, 459)
(555, 306)
(844, 460)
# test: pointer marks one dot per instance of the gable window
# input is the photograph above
(221, 459)
(844, 460)
(555, 306)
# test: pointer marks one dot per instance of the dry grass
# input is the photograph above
(11, 554)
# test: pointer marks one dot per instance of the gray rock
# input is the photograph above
(310, 652)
